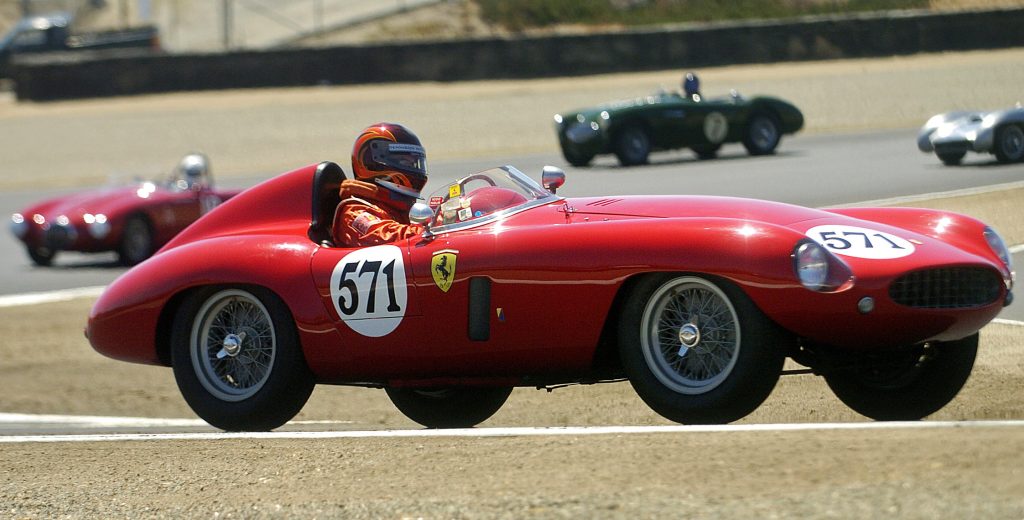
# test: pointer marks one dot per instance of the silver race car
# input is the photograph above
(953, 134)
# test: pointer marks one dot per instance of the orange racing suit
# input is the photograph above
(363, 217)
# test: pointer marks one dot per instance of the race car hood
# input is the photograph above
(90, 201)
(934, 237)
(696, 206)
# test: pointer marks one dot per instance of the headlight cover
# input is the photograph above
(998, 246)
(819, 270)
(98, 226)
(18, 225)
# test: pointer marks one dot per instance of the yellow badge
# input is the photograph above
(442, 268)
(454, 191)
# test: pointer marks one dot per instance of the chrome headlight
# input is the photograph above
(998, 246)
(18, 225)
(818, 269)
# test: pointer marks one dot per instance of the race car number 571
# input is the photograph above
(861, 242)
(369, 291)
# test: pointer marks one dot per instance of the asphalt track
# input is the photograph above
(813, 170)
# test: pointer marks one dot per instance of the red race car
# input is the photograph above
(132, 220)
(695, 300)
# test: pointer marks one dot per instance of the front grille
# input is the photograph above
(947, 288)
(60, 236)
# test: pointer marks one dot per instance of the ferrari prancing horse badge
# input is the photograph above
(442, 268)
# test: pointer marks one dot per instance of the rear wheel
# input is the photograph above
(697, 350)
(41, 255)
(1009, 144)
(237, 359)
(909, 386)
(951, 158)
(456, 407)
(763, 134)
(632, 145)
(136, 241)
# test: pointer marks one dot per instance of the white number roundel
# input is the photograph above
(716, 127)
(860, 242)
(369, 291)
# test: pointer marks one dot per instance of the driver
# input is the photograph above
(691, 86)
(390, 168)
(192, 171)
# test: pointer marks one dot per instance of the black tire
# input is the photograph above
(909, 387)
(706, 151)
(1009, 144)
(136, 241)
(732, 365)
(237, 359)
(577, 159)
(632, 145)
(763, 134)
(951, 158)
(457, 407)
(41, 255)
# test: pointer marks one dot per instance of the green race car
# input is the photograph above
(632, 129)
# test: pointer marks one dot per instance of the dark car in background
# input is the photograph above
(55, 32)
(633, 128)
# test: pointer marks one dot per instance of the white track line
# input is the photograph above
(509, 432)
(34, 298)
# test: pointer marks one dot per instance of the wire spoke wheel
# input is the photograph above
(237, 358)
(696, 349)
(693, 337)
(233, 345)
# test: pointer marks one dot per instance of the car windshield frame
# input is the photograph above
(506, 176)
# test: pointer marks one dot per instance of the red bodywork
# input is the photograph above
(63, 223)
(550, 277)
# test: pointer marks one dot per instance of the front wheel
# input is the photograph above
(1009, 144)
(763, 135)
(237, 359)
(909, 385)
(577, 159)
(41, 255)
(697, 350)
(136, 241)
(456, 407)
(951, 158)
(632, 145)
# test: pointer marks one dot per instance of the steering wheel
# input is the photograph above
(475, 177)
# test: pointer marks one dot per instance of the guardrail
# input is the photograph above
(84, 74)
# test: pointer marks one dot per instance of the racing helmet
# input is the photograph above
(390, 156)
(193, 169)
(691, 84)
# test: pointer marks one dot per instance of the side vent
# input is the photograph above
(604, 202)
(479, 308)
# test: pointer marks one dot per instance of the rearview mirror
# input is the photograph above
(421, 214)
(552, 178)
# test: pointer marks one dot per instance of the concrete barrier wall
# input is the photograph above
(82, 74)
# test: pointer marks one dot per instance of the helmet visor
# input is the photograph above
(406, 158)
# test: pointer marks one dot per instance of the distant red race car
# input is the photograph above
(133, 220)
(695, 300)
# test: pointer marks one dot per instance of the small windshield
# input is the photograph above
(483, 197)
